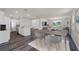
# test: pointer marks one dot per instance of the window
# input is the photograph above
(77, 19)
(56, 23)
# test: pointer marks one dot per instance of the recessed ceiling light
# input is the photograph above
(25, 9)
(16, 11)
(28, 15)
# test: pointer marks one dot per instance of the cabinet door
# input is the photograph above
(25, 27)
(21, 31)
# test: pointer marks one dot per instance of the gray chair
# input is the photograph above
(52, 40)
(40, 36)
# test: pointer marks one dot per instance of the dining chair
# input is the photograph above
(52, 39)
(40, 36)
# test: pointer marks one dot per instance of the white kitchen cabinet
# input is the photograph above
(25, 27)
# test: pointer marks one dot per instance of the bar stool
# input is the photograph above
(40, 36)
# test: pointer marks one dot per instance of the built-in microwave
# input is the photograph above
(2, 27)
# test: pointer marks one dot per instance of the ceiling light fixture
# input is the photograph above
(25, 9)
(16, 12)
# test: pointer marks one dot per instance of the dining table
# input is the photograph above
(60, 33)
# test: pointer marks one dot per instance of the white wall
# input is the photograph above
(5, 35)
(37, 23)
(14, 22)
(74, 33)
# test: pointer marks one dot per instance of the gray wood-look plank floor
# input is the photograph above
(18, 43)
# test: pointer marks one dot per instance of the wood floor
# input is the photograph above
(18, 43)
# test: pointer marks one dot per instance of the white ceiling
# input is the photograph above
(37, 12)
(50, 12)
